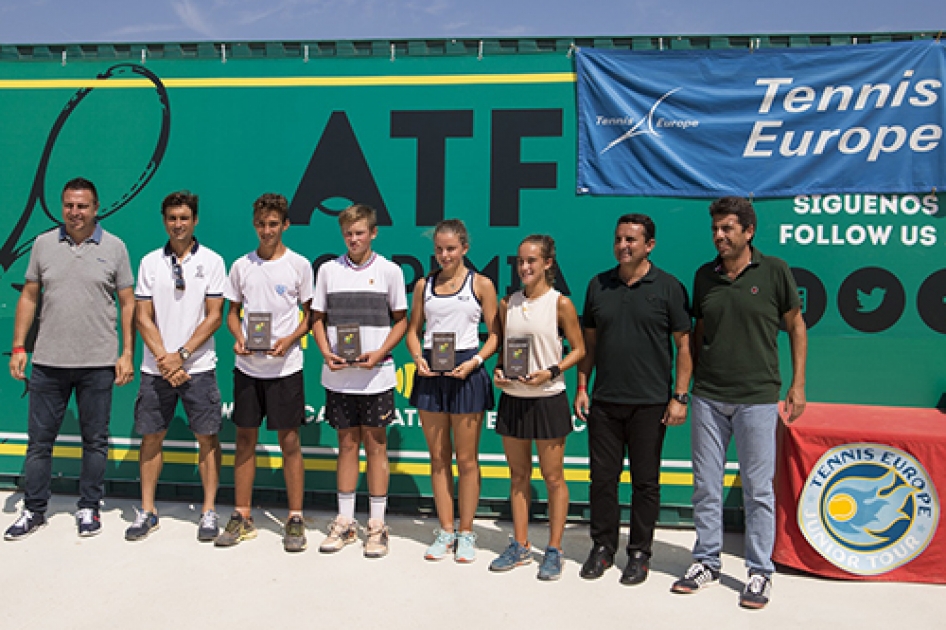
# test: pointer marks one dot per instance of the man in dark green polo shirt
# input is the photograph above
(739, 299)
(634, 313)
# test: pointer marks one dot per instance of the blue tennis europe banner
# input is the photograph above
(764, 122)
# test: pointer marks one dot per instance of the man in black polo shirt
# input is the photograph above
(739, 299)
(634, 314)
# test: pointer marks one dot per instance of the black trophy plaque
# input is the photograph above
(349, 341)
(516, 362)
(443, 352)
(259, 328)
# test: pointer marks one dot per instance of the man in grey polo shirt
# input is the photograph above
(80, 269)
(180, 306)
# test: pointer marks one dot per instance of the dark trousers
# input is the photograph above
(50, 389)
(614, 430)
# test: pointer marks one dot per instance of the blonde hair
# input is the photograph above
(358, 212)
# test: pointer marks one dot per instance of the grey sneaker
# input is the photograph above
(26, 524)
(237, 529)
(209, 527)
(515, 555)
(698, 576)
(376, 542)
(551, 567)
(757, 592)
(145, 523)
(340, 534)
(294, 538)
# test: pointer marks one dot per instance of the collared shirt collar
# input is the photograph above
(754, 261)
(170, 252)
(96, 236)
(650, 276)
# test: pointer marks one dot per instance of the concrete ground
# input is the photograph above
(56, 579)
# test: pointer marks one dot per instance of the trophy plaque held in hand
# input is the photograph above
(516, 361)
(443, 352)
(349, 341)
(259, 327)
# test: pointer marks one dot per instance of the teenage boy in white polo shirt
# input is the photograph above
(361, 288)
(179, 307)
(275, 281)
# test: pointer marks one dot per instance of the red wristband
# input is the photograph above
(582, 388)
(19, 350)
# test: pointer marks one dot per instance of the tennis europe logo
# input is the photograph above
(868, 508)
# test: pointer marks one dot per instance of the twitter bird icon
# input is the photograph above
(870, 301)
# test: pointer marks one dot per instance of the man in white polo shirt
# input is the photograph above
(269, 285)
(179, 307)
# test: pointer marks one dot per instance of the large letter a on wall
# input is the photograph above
(338, 169)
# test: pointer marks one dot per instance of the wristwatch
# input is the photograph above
(683, 399)
(554, 370)
(184, 352)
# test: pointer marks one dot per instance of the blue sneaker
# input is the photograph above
(442, 545)
(88, 522)
(146, 523)
(466, 547)
(26, 524)
(515, 555)
(551, 568)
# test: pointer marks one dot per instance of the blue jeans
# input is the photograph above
(50, 389)
(712, 425)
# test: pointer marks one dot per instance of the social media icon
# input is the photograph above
(870, 301)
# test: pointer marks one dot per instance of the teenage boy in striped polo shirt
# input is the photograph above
(366, 289)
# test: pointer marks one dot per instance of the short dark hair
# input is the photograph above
(739, 206)
(650, 230)
(81, 183)
(180, 198)
(271, 202)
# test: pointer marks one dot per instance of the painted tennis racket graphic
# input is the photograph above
(15, 247)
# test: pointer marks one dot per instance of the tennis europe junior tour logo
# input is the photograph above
(868, 508)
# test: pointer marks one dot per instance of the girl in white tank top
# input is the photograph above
(451, 405)
(534, 409)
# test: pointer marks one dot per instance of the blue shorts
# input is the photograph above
(157, 402)
(445, 394)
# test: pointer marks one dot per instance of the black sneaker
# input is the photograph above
(146, 523)
(757, 591)
(600, 559)
(28, 523)
(697, 576)
(88, 522)
(638, 566)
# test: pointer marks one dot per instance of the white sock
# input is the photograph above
(346, 505)
(377, 507)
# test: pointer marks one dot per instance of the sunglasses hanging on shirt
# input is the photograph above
(178, 274)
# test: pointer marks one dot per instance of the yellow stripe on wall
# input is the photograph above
(274, 462)
(277, 82)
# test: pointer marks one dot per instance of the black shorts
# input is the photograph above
(347, 411)
(281, 400)
(157, 402)
(546, 418)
